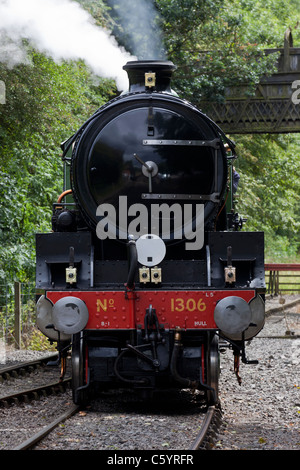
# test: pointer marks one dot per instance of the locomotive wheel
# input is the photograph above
(213, 370)
(80, 397)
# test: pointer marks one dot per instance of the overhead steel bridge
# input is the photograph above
(275, 107)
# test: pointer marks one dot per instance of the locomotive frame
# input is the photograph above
(144, 311)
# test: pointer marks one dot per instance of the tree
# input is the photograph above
(45, 104)
(269, 191)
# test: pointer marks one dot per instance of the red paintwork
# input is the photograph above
(110, 310)
(282, 267)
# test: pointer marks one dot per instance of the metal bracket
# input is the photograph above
(230, 271)
(71, 271)
(214, 197)
(150, 79)
(144, 274)
(155, 275)
(195, 143)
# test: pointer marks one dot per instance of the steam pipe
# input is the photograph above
(120, 377)
(173, 365)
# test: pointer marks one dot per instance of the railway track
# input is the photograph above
(28, 395)
(24, 396)
(39, 436)
(127, 424)
(21, 369)
(209, 429)
(82, 428)
(44, 382)
(204, 440)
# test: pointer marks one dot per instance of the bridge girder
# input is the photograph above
(275, 107)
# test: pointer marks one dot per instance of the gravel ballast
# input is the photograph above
(264, 412)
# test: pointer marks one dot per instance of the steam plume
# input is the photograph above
(62, 29)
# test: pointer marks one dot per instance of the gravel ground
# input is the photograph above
(263, 413)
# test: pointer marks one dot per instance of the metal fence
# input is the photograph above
(17, 312)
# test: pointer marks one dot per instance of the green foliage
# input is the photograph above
(269, 191)
(46, 102)
(35, 340)
(264, 22)
(209, 42)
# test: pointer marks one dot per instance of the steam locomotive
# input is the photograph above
(146, 271)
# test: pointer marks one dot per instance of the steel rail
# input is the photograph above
(270, 311)
(204, 428)
(29, 443)
(5, 372)
(33, 392)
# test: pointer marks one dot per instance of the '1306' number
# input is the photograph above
(180, 305)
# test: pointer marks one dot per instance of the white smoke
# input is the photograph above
(62, 29)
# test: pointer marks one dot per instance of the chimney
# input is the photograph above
(149, 75)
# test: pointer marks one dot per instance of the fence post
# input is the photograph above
(17, 315)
